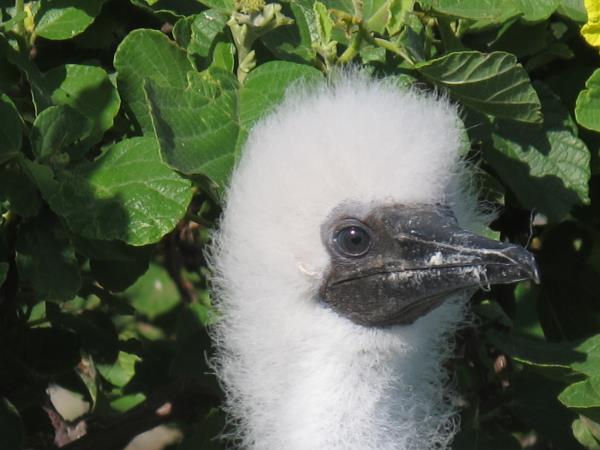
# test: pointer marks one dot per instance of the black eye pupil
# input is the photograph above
(353, 241)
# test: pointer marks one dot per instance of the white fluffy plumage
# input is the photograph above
(296, 374)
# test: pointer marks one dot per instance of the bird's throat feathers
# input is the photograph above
(314, 382)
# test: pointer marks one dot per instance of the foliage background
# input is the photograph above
(120, 121)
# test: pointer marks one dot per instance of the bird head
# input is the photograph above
(353, 198)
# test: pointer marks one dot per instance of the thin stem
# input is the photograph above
(352, 49)
(394, 49)
(19, 10)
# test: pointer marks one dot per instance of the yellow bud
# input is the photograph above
(28, 22)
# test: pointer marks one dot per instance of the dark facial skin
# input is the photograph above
(400, 262)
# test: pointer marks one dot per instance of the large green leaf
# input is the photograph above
(63, 19)
(200, 128)
(582, 357)
(121, 371)
(583, 394)
(205, 27)
(573, 9)
(547, 166)
(127, 194)
(86, 89)
(154, 293)
(492, 83)
(11, 131)
(60, 129)
(587, 110)
(151, 55)
(46, 259)
(538, 10)
(584, 435)
(494, 11)
(295, 43)
(196, 132)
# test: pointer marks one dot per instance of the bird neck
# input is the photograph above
(321, 382)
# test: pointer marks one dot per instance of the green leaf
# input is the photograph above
(200, 128)
(573, 9)
(86, 89)
(60, 129)
(376, 14)
(527, 322)
(492, 83)
(398, 13)
(154, 293)
(11, 426)
(582, 395)
(196, 133)
(294, 43)
(265, 87)
(587, 109)
(547, 167)
(151, 55)
(536, 11)
(127, 402)
(46, 259)
(492, 11)
(324, 22)
(121, 371)
(584, 436)
(127, 194)
(413, 38)
(590, 363)
(223, 56)
(63, 19)
(182, 31)
(11, 129)
(536, 352)
(371, 53)
(18, 191)
(204, 29)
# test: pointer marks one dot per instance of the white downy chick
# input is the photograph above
(343, 265)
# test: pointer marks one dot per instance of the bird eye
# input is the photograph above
(353, 241)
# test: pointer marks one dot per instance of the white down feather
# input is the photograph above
(296, 374)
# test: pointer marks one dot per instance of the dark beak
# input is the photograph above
(419, 257)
